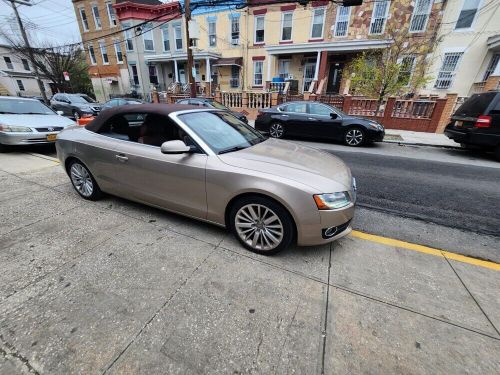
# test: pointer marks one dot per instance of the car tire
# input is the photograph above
(354, 137)
(76, 115)
(261, 225)
(277, 130)
(83, 181)
(3, 148)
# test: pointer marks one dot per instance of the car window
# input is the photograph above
(23, 106)
(319, 109)
(296, 108)
(476, 105)
(121, 102)
(183, 102)
(196, 102)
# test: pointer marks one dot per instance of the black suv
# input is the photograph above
(75, 105)
(477, 122)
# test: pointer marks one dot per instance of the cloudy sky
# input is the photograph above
(46, 20)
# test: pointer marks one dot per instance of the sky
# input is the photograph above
(53, 21)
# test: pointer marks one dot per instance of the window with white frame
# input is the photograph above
(342, 20)
(467, 14)
(284, 68)
(259, 29)
(97, 18)
(153, 74)
(147, 37)
(406, 67)
(20, 85)
(85, 21)
(317, 23)
(178, 37)
(118, 52)
(129, 42)
(286, 26)
(25, 63)
(258, 67)
(212, 33)
(235, 76)
(92, 57)
(8, 62)
(447, 71)
(491, 66)
(420, 15)
(111, 14)
(235, 31)
(104, 52)
(165, 34)
(379, 16)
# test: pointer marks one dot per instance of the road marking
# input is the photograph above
(425, 250)
(41, 156)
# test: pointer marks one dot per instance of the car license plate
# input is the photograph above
(51, 137)
(459, 124)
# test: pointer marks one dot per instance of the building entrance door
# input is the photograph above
(309, 68)
(334, 78)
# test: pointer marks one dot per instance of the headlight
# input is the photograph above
(332, 201)
(15, 129)
(375, 126)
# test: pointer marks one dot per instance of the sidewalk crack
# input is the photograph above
(11, 351)
(325, 324)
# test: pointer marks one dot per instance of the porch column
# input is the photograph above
(269, 63)
(316, 70)
(176, 71)
(208, 77)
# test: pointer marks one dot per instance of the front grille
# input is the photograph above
(51, 129)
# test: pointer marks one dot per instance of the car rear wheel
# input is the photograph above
(83, 181)
(261, 225)
(276, 130)
(354, 137)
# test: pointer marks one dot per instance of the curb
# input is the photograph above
(423, 144)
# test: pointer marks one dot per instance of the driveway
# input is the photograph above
(116, 287)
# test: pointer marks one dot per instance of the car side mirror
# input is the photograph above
(60, 113)
(333, 115)
(175, 147)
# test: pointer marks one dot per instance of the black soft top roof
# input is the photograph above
(158, 109)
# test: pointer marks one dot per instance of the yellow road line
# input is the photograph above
(425, 250)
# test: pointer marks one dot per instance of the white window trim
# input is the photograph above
(429, 9)
(385, 19)
(215, 34)
(117, 43)
(109, 15)
(152, 39)
(84, 28)
(163, 30)
(471, 28)
(452, 81)
(175, 37)
(102, 54)
(255, 29)
(94, 61)
(231, 32)
(337, 16)
(93, 16)
(412, 69)
(127, 34)
(11, 63)
(281, 28)
(262, 73)
(312, 24)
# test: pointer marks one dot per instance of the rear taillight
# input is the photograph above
(483, 122)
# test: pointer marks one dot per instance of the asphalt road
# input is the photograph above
(459, 196)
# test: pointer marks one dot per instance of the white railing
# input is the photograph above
(259, 99)
(232, 99)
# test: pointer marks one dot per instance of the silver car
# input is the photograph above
(207, 164)
(26, 121)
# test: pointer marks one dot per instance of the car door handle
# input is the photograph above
(284, 115)
(121, 158)
(312, 118)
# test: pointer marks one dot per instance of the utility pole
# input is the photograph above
(187, 16)
(28, 46)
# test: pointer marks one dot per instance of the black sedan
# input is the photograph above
(211, 103)
(317, 120)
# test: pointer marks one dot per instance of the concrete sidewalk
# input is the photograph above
(418, 138)
(117, 287)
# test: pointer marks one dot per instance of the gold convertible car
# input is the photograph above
(208, 165)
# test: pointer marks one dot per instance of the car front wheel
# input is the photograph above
(83, 181)
(276, 130)
(354, 137)
(261, 225)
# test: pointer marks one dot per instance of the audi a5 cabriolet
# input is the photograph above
(209, 165)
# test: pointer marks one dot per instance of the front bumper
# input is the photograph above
(375, 135)
(19, 139)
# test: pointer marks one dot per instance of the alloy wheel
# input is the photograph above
(276, 130)
(81, 180)
(259, 227)
(354, 137)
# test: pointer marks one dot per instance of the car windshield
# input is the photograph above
(83, 99)
(24, 107)
(218, 105)
(476, 105)
(221, 131)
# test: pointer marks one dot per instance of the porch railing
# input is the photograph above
(413, 109)
(232, 99)
(365, 107)
(259, 99)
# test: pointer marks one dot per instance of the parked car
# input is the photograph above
(115, 102)
(211, 103)
(206, 164)
(317, 120)
(476, 123)
(25, 121)
(75, 105)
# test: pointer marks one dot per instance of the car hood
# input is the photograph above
(35, 121)
(309, 166)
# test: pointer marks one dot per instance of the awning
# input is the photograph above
(228, 61)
